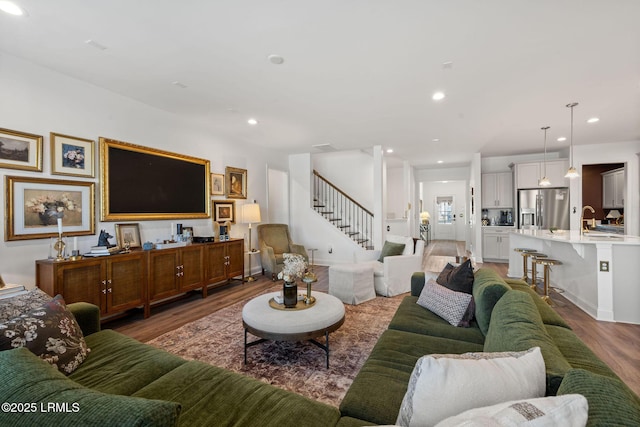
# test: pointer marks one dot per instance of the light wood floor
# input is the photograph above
(617, 344)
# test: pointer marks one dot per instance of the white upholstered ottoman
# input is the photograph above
(352, 283)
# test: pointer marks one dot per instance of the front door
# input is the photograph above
(445, 224)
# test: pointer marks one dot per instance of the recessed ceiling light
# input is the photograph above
(11, 8)
(252, 122)
(593, 120)
(437, 96)
(389, 150)
(275, 59)
(95, 44)
(440, 161)
(435, 140)
(562, 139)
(444, 182)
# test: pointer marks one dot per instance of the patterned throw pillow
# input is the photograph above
(50, 332)
(450, 305)
(15, 306)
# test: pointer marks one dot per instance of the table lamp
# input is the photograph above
(614, 214)
(425, 217)
(250, 215)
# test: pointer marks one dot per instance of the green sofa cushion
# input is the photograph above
(488, 288)
(212, 396)
(516, 326)
(411, 317)
(611, 403)
(27, 379)
(548, 314)
(388, 369)
(118, 364)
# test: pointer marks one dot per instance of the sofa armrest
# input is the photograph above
(300, 250)
(417, 283)
(87, 315)
(268, 258)
(398, 270)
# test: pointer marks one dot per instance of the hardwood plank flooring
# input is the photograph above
(617, 344)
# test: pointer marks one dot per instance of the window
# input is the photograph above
(445, 212)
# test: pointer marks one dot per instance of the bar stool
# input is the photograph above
(547, 263)
(524, 252)
(534, 278)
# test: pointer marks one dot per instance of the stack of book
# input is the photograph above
(101, 251)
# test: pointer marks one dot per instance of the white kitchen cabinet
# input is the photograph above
(528, 174)
(497, 190)
(613, 189)
(495, 243)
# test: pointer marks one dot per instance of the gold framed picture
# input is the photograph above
(224, 210)
(217, 184)
(235, 183)
(34, 205)
(20, 150)
(72, 156)
(128, 234)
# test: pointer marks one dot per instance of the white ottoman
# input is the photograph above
(352, 283)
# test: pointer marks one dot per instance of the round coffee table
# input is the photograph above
(267, 323)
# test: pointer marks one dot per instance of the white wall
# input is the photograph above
(39, 101)
(396, 200)
(351, 171)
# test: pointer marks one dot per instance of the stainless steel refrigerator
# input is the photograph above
(544, 208)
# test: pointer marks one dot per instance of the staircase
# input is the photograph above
(342, 211)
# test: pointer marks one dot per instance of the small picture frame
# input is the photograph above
(217, 184)
(224, 210)
(20, 150)
(128, 233)
(235, 183)
(72, 156)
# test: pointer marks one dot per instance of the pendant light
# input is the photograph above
(544, 181)
(572, 172)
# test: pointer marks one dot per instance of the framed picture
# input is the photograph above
(235, 183)
(224, 210)
(217, 184)
(128, 234)
(20, 150)
(34, 205)
(71, 155)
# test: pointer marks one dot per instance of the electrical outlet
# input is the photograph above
(604, 265)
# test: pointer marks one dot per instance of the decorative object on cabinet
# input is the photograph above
(250, 215)
(35, 204)
(235, 183)
(128, 236)
(71, 155)
(217, 184)
(544, 181)
(20, 150)
(103, 239)
(572, 172)
(133, 176)
(224, 210)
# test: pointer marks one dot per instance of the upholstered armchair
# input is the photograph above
(275, 240)
(393, 276)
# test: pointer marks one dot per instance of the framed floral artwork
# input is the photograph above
(235, 183)
(224, 210)
(20, 150)
(35, 204)
(128, 236)
(71, 155)
(217, 184)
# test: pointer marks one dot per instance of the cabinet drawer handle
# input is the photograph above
(109, 281)
(110, 290)
(104, 282)
(104, 291)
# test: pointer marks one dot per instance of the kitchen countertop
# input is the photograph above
(593, 237)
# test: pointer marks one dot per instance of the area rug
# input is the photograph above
(218, 339)
(445, 248)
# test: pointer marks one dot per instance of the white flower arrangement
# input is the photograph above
(294, 267)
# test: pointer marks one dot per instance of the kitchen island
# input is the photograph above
(600, 272)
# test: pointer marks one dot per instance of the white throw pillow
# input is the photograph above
(447, 384)
(408, 242)
(570, 410)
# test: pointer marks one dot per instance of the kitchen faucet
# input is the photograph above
(584, 229)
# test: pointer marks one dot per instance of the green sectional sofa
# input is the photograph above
(520, 322)
(125, 382)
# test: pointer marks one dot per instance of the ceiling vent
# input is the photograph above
(324, 147)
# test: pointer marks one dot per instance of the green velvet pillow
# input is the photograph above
(488, 288)
(516, 325)
(391, 249)
(60, 401)
(611, 403)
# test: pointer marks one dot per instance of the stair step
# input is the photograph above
(352, 233)
(326, 212)
(344, 226)
(319, 206)
(334, 219)
(362, 240)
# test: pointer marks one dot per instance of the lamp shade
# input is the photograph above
(251, 213)
(614, 214)
(425, 217)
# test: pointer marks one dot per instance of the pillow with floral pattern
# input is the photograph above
(15, 306)
(50, 332)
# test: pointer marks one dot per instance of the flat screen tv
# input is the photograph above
(141, 183)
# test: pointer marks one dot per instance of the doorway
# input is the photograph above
(445, 224)
(277, 196)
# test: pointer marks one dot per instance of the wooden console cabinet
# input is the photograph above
(117, 283)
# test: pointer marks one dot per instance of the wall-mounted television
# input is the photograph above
(141, 183)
